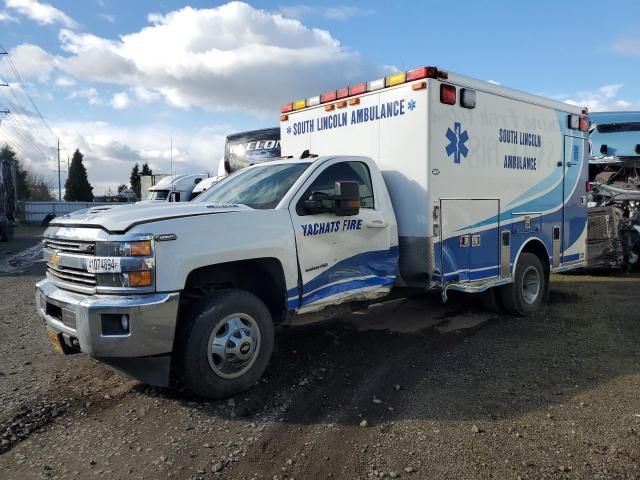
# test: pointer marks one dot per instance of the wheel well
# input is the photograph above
(537, 248)
(264, 277)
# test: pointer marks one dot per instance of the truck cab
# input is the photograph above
(145, 289)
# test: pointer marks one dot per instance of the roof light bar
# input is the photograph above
(395, 79)
(371, 86)
(328, 97)
(417, 74)
(313, 101)
(375, 85)
(286, 108)
(342, 92)
(358, 89)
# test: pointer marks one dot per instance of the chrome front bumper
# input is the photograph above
(78, 317)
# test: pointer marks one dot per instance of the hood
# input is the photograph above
(123, 217)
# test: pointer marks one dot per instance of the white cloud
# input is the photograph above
(6, 17)
(255, 61)
(628, 46)
(337, 12)
(31, 61)
(120, 100)
(111, 151)
(107, 17)
(63, 81)
(42, 13)
(145, 95)
(605, 98)
(90, 94)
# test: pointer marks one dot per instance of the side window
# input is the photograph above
(343, 172)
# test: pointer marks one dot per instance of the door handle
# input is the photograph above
(377, 224)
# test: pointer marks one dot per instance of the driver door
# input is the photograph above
(341, 257)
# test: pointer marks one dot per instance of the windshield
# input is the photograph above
(618, 127)
(157, 195)
(261, 187)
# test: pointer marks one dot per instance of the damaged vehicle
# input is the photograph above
(614, 202)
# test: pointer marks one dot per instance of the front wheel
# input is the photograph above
(224, 349)
(525, 294)
(4, 230)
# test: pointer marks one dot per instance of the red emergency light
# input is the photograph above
(358, 89)
(328, 97)
(447, 94)
(342, 92)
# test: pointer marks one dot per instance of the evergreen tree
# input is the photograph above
(122, 187)
(134, 179)
(146, 170)
(77, 187)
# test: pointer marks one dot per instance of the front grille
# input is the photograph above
(72, 275)
(71, 246)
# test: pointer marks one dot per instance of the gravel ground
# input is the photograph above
(412, 389)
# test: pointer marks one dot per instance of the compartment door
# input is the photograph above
(470, 252)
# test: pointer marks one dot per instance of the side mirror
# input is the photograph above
(317, 203)
(174, 196)
(347, 199)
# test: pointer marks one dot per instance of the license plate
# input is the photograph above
(103, 265)
(55, 340)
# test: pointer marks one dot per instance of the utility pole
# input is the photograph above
(59, 181)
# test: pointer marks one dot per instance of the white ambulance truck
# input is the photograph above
(422, 179)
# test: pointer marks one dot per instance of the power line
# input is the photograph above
(31, 135)
(28, 95)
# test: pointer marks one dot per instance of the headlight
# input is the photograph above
(137, 266)
(139, 248)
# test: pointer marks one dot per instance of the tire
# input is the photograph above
(490, 300)
(4, 230)
(520, 301)
(225, 347)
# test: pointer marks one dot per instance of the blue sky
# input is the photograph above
(119, 79)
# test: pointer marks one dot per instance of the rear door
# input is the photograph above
(574, 186)
(342, 257)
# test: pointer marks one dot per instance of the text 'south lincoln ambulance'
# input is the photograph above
(424, 179)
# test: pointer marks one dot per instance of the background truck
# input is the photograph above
(424, 179)
(249, 148)
(614, 173)
(174, 188)
(8, 199)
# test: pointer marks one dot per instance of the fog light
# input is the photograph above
(124, 323)
(115, 324)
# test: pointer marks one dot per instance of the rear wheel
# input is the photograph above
(525, 294)
(225, 348)
(490, 299)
